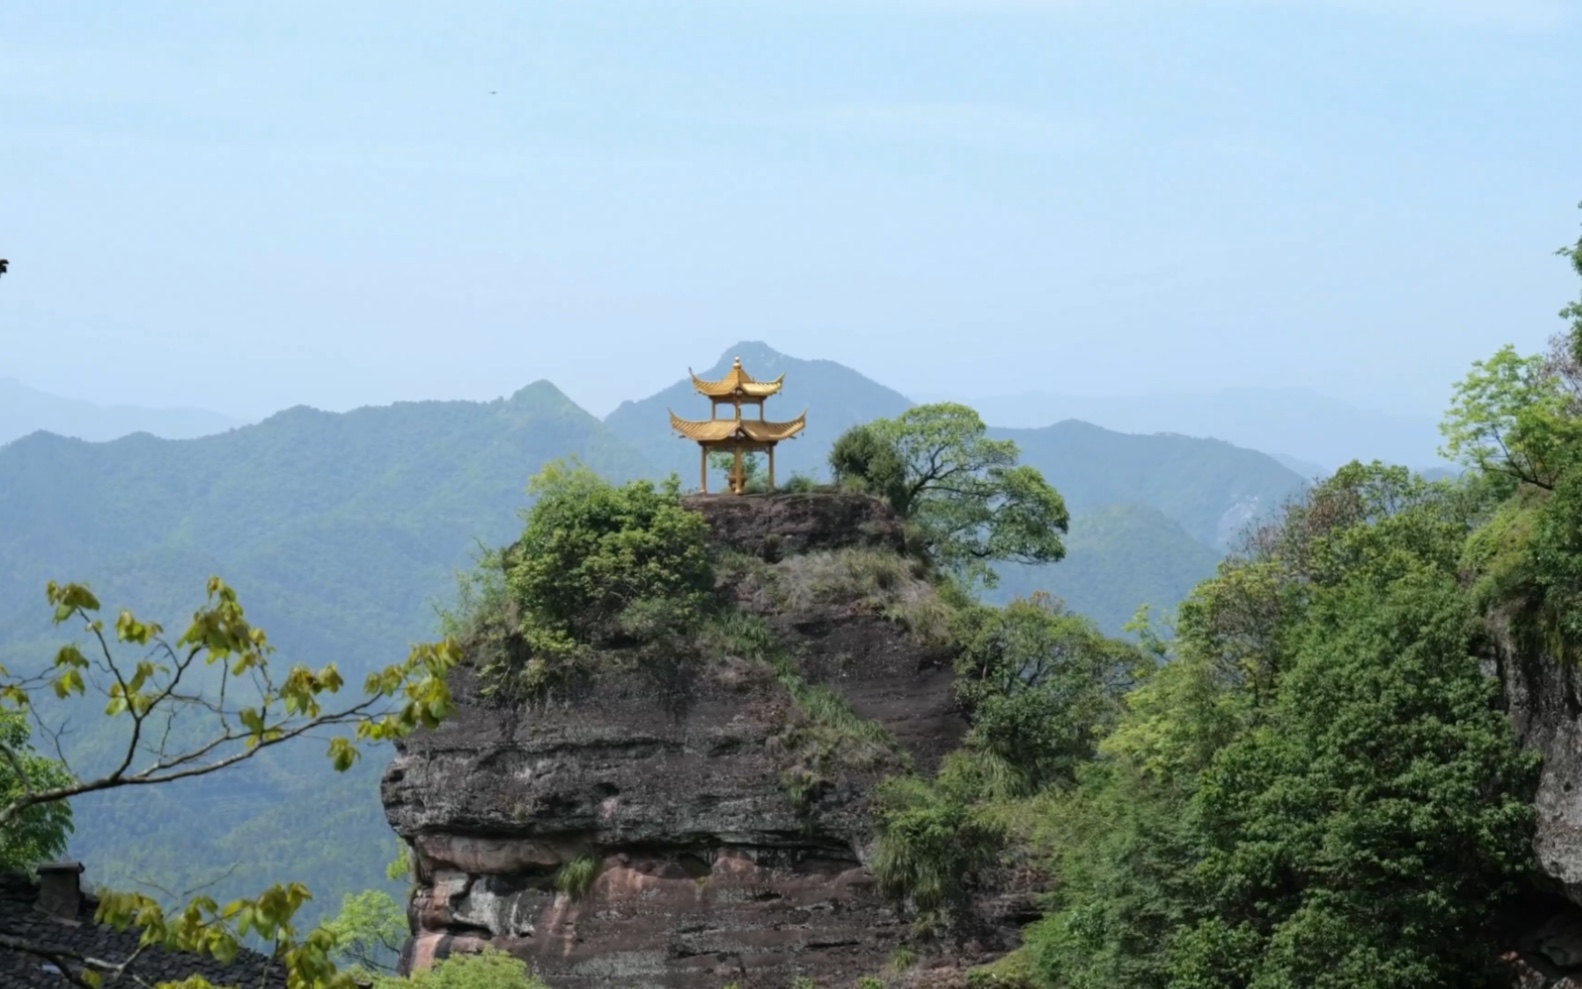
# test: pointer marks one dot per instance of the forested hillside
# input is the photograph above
(342, 532)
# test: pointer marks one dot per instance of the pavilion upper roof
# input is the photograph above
(737, 383)
(755, 430)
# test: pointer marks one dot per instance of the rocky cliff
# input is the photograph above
(724, 828)
(1544, 699)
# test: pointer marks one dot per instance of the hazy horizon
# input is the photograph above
(245, 209)
(1310, 432)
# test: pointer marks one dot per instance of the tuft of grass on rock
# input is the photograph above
(576, 877)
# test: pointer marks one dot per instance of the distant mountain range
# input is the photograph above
(24, 410)
(1311, 433)
(341, 530)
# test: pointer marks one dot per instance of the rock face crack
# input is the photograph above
(695, 850)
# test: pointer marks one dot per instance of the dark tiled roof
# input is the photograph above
(20, 917)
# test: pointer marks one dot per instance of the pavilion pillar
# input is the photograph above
(703, 468)
(771, 468)
(737, 484)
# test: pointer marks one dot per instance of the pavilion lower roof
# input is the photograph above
(754, 430)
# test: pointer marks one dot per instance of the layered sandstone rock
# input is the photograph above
(707, 871)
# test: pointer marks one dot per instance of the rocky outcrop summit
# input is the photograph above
(670, 789)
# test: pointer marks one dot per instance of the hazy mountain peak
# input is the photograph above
(25, 410)
(541, 392)
(755, 354)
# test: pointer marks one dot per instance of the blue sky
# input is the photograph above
(245, 206)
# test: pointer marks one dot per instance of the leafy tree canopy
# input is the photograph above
(1040, 685)
(1318, 790)
(368, 931)
(188, 707)
(1512, 416)
(1520, 418)
(1369, 834)
(972, 503)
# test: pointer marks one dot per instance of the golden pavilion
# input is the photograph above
(736, 433)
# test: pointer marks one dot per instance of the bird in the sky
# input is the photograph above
(3, 265)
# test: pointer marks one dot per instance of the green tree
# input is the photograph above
(1125, 858)
(1040, 686)
(368, 931)
(1370, 833)
(1318, 789)
(864, 458)
(1242, 621)
(1512, 416)
(196, 705)
(599, 564)
(40, 831)
(973, 505)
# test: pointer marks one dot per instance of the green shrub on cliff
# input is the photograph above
(934, 838)
(489, 970)
(599, 564)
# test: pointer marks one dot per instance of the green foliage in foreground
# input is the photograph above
(1371, 832)
(1039, 687)
(1318, 789)
(197, 705)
